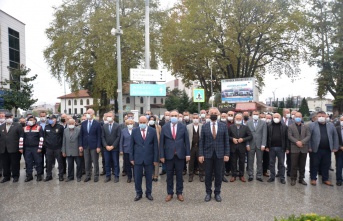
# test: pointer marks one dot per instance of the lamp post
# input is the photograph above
(147, 44)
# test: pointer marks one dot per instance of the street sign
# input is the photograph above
(198, 95)
(148, 90)
(148, 75)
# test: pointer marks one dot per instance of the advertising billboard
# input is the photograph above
(238, 90)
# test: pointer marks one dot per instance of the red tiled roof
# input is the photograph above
(77, 94)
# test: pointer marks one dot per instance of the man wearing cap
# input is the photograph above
(33, 143)
(53, 138)
(11, 148)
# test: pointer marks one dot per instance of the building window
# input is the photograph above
(161, 100)
(81, 102)
(155, 100)
(69, 102)
(141, 110)
(69, 110)
(81, 110)
(87, 102)
(75, 102)
(128, 100)
(75, 110)
(14, 49)
(142, 100)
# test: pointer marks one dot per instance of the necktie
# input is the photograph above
(214, 132)
(89, 126)
(174, 134)
(110, 128)
(143, 134)
(255, 123)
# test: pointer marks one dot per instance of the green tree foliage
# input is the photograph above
(83, 50)
(236, 39)
(19, 95)
(304, 110)
(289, 102)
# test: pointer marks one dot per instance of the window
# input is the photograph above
(87, 101)
(141, 110)
(75, 102)
(128, 100)
(142, 100)
(75, 110)
(14, 48)
(81, 102)
(81, 110)
(69, 102)
(161, 100)
(155, 100)
(69, 110)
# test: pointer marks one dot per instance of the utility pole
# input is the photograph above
(147, 44)
(120, 92)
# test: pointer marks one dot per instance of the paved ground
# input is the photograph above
(109, 201)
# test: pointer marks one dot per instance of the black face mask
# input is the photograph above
(213, 117)
(63, 120)
(246, 118)
(23, 124)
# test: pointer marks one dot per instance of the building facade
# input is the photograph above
(318, 104)
(75, 103)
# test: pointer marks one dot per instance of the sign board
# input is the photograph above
(239, 90)
(148, 75)
(154, 90)
(198, 95)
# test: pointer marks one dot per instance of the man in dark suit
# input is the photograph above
(90, 144)
(11, 148)
(239, 135)
(339, 154)
(143, 155)
(2, 121)
(110, 140)
(288, 121)
(214, 150)
(174, 149)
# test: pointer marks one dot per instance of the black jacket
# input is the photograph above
(284, 135)
(32, 135)
(10, 140)
(53, 137)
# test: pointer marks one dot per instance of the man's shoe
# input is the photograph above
(163, 172)
(168, 198)
(224, 179)
(129, 180)
(250, 179)
(87, 179)
(96, 179)
(138, 197)
(124, 173)
(293, 182)
(328, 183)
(180, 197)
(28, 179)
(227, 173)
(107, 179)
(277, 175)
(331, 169)
(196, 172)
(190, 179)
(266, 174)
(116, 179)
(233, 179)
(259, 179)
(283, 181)
(201, 178)
(339, 183)
(78, 179)
(4, 180)
(149, 197)
(270, 180)
(313, 182)
(0, 174)
(48, 178)
(303, 182)
(61, 178)
(39, 178)
(15, 180)
(218, 198)
(207, 197)
(242, 179)
(69, 179)
(102, 173)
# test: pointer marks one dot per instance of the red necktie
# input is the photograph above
(143, 134)
(174, 134)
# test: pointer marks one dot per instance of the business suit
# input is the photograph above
(70, 148)
(298, 155)
(124, 145)
(144, 153)
(158, 129)
(237, 151)
(339, 155)
(194, 146)
(320, 158)
(123, 126)
(214, 150)
(90, 140)
(174, 151)
(258, 130)
(288, 122)
(10, 143)
(111, 137)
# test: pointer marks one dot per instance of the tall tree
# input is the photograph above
(304, 110)
(234, 39)
(289, 102)
(20, 92)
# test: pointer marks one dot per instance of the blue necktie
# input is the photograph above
(89, 126)
(110, 128)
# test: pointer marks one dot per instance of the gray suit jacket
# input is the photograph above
(190, 132)
(259, 134)
(70, 144)
(111, 138)
(315, 136)
(294, 136)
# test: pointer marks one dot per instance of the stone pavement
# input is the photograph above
(114, 201)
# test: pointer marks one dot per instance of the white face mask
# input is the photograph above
(255, 117)
(263, 119)
(167, 117)
(195, 121)
(71, 126)
(43, 119)
(130, 126)
(151, 122)
(293, 116)
(223, 119)
(30, 123)
(202, 115)
(110, 119)
(230, 118)
(321, 119)
(186, 117)
(238, 122)
(288, 115)
(88, 116)
(268, 120)
(105, 122)
(207, 120)
(276, 120)
(9, 120)
(180, 119)
(327, 119)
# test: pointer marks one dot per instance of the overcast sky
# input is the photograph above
(37, 15)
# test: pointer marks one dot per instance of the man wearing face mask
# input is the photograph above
(64, 120)
(230, 121)
(153, 124)
(165, 119)
(265, 165)
(299, 135)
(324, 140)
(33, 137)
(339, 154)
(246, 117)
(203, 117)
(53, 140)
(11, 148)
(90, 144)
(214, 150)
(186, 118)
(144, 156)
(277, 144)
(287, 120)
(174, 149)
(124, 145)
(22, 121)
(111, 133)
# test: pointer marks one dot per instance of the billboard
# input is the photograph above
(198, 95)
(148, 90)
(238, 90)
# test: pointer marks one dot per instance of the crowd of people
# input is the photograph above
(211, 144)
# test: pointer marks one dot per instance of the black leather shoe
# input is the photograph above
(61, 178)
(39, 178)
(102, 173)
(224, 180)
(293, 182)
(250, 179)
(96, 179)
(277, 175)
(15, 180)
(123, 173)
(69, 179)
(87, 179)
(150, 197)
(190, 179)
(78, 179)
(303, 182)
(339, 183)
(207, 197)
(138, 197)
(202, 179)
(107, 179)
(259, 179)
(218, 198)
(163, 172)
(28, 179)
(116, 179)
(282, 181)
(129, 180)
(270, 180)
(5, 180)
(48, 178)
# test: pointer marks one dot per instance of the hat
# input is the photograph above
(8, 115)
(53, 116)
(31, 117)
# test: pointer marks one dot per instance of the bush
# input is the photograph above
(309, 217)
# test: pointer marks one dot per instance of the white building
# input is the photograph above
(318, 104)
(76, 103)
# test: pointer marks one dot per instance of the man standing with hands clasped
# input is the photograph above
(214, 150)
